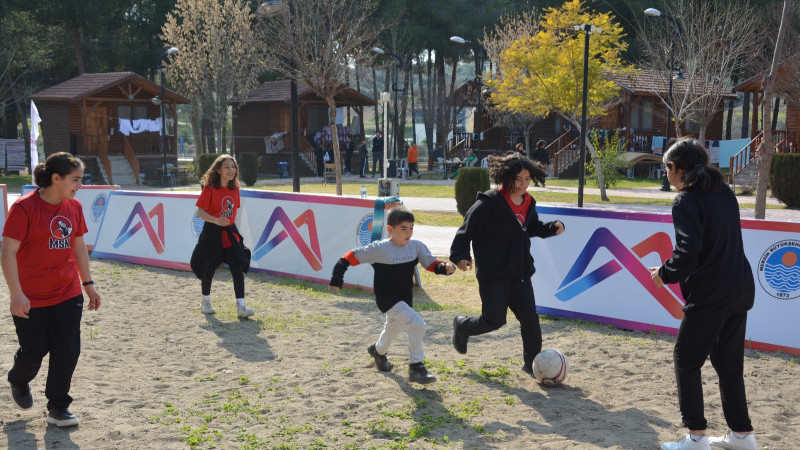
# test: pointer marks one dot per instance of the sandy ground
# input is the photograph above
(156, 373)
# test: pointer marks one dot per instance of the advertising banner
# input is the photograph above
(297, 235)
(94, 199)
(598, 270)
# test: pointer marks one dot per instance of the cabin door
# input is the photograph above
(96, 131)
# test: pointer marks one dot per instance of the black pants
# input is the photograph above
(377, 160)
(496, 298)
(412, 167)
(722, 337)
(348, 162)
(236, 274)
(363, 165)
(320, 165)
(55, 330)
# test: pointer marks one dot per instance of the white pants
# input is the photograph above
(400, 317)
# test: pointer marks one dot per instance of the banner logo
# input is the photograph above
(576, 282)
(364, 231)
(99, 207)
(779, 271)
(311, 252)
(60, 231)
(227, 207)
(144, 222)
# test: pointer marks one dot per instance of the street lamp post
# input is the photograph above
(588, 29)
(656, 13)
(160, 67)
(399, 65)
(480, 54)
(270, 8)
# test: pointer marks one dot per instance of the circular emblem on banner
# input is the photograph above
(99, 207)
(364, 231)
(779, 270)
(60, 227)
(197, 225)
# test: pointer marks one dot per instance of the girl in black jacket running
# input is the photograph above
(500, 226)
(717, 283)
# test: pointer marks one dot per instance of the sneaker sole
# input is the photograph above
(63, 423)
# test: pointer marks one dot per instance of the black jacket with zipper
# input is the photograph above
(502, 246)
(708, 260)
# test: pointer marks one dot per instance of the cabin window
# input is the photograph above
(132, 112)
(642, 114)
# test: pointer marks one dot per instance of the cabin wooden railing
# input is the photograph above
(102, 153)
(565, 156)
(558, 143)
(744, 157)
(130, 155)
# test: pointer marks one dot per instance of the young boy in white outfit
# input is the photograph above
(394, 260)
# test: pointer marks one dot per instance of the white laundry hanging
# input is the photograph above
(136, 126)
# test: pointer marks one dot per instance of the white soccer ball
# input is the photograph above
(550, 367)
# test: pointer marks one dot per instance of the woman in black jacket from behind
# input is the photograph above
(717, 284)
(500, 226)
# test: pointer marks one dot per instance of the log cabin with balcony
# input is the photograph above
(111, 122)
(261, 121)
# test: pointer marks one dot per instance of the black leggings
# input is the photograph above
(722, 337)
(236, 274)
(497, 297)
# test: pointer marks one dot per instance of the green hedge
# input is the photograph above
(784, 177)
(470, 181)
(248, 168)
(203, 161)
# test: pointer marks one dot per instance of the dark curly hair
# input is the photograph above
(691, 157)
(505, 168)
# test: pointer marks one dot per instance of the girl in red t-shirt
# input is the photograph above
(44, 258)
(217, 206)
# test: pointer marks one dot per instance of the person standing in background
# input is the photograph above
(377, 153)
(411, 158)
(350, 147)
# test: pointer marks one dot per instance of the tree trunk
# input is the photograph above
(702, 135)
(335, 141)
(775, 111)
(208, 132)
(729, 121)
(197, 133)
(76, 42)
(527, 133)
(26, 132)
(746, 116)
(767, 147)
(400, 135)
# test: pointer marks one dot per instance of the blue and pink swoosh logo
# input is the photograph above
(577, 281)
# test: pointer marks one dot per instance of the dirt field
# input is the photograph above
(156, 373)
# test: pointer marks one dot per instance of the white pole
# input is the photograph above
(385, 98)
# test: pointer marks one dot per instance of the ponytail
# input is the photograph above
(60, 163)
(691, 157)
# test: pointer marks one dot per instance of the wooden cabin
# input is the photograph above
(261, 120)
(111, 121)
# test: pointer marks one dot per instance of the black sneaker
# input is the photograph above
(381, 361)
(61, 417)
(459, 339)
(22, 396)
(419, 374)
(528, 368)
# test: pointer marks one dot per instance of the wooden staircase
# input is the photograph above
(744, 164)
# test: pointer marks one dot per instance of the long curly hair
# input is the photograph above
(505, 168)
(212, 177)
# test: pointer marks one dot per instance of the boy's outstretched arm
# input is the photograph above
(337, 278)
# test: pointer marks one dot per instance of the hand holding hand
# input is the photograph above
(223, 221)
(464, 264)
(20, 305)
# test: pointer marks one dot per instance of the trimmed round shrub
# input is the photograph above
(248, 168)
(203, 161)
(470, 181)
(784, 177)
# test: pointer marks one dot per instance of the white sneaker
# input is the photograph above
(243, 312)
(748, 442)
(205, 306)
(686, 443)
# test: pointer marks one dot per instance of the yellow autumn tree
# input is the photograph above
(543, 74)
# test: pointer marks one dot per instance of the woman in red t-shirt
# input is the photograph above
(217, 206)
(44, 259)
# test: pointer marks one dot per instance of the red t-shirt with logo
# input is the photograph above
(46, 261)
(220, 202)
(520, 211)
